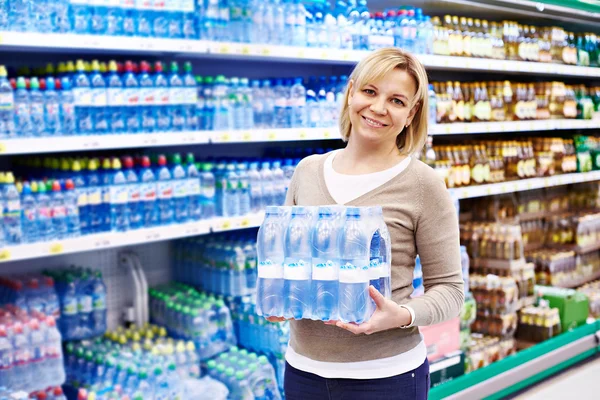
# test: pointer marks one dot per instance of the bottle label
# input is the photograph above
(325, 270)
(29, 214)
(162, 96)
(115, 97)
(208, 192)
(134, 193)
(45, 212)
(355, 271)
(269, 269)
(82, 96)
(176, 96)
(94, 196)
(118, 194)
(131, 97)
(68, 110)
(69, 306)
(12, 208)
(296, 269)
(147, 96)
(82, 198)
(180, 188)
(7, 101)
(191, 96)
(165, 190)
(59, 212)
(84, 305)
(99, 302)
(36, 109)
(193, 187)
(52, 109)
(187, 6)
(99, 97)
(148, 192)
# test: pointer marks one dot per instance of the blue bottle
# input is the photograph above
(84, 307)
(98, 292)
(255, 183)
(268, 189)
(243, 189)
(22, 111)
(134, 194)
(207, 180)
(7, 106)
(190, 99)
(44, 211)
(298, 101)
(106, 179)
(223, 115)
(270, 256)
(282, 95)
(175, 21)
(114, 20)
(132, 100)
(67, 107)
(298, 265)
(143, 18)
(279, 183)
(59, 211)
(189, 27)
(162, 108)
(354, 245)
(12, 211)
(194, 188)
(83, 100)
(119, 198)
(325, 265)
(99, 102)
(69, 321)
(19, 17)
(98, 21)
(94, 210)
(36, 108)
(180, 195)
(62, 20)
(165, 192)
(147, 100)
(81, 194)
(81, 14)
(176, 98)
(115, 99)
(148, 194)
(160, 24)
(71, 209)
(231, 199)
(29, 215)
(52, 109)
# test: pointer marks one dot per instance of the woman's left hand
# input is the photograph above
(388, 315)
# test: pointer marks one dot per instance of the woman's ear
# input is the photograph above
(412, 113)
(350, 91)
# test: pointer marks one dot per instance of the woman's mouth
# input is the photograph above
(373, 123)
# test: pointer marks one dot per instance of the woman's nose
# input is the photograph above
(378, 106)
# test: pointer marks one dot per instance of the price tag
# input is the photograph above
(226, 137)
(324, 55)
(2, 148)
(515, 187)
(4, 255)
(102, 243)
(503, 189)
(266, 51)
(245, 50)
(326, 134)
(224, 50)
(91, 145)
(271, 135)
(300, 54)
(489, 190)
(302, 135)
(153, 236)
(192, 231)
(56, 248)
(246, 136)
(529, 185)
(345, 55)
(447, 129)
(245, 222)
(465, 194)
(226, 225)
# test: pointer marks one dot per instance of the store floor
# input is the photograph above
(580, 380)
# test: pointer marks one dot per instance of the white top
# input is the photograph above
(343, 189)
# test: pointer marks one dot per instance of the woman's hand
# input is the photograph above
(276, 319)
(388, 315)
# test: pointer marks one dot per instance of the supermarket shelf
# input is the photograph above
(512, 126)
(579, 282)
(100, 142)
(524, 368)
(108, 240)
(27, 41)
(275, 135)
(523, 184)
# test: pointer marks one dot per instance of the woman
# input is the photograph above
(384, 122)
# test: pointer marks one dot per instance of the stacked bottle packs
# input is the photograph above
(222, 264)
(246, 375)
(51, 393)
(82, 296)
(191, 315)
(318, 263)
(30, 350)
(31, 293)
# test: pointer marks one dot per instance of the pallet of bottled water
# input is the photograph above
(318, 262)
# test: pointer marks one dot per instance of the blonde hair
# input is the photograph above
(374, 67)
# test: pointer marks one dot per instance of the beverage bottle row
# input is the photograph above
(318, 263)
(51, 393)
(30, 350)
(31, 293)
(221, 264)
(82, 296)
(191, 315)
(246, 375)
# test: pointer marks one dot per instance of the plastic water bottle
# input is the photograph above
(270, 255)
(115, 99)
(12, 211)
(282, 96)
(243, 189)
(207, 180)
(59, 210)
(246, 104)
(71, 209)
(324, 107)
(52, 109)
(66, 107)
(162, 99)
(147, 99)
(236, 103)
(29, 215)
(268, 101)
(22, 370)
(148, 194)
(208, 113)
(165, 192)
(255, 183)
(134, 195)
(268, 189)
(313, 109)
(69, 320)
(176, 98)
(180, 195)
(432, 105)
(298, 103)
(299, 28)
(36, 108)
(62, 20)
(354, 267)
(189, 99)
(94, 211)
(231, 199)
(22, 111)
(83, 100)
(298, 265)
(37, 356)
(279, 188)
(44, 211)
(119, 198)
(98, 89)
(193, 188)
(7, 376)
(98, 291)
(106, 179)
(19, 15)
(114, 19)
(223, 113)
(325, 265)
(4, 10)
(85, 306)
(132, 99)
(7, 106)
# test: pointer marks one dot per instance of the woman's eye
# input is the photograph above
(398, 102)
(369, 91)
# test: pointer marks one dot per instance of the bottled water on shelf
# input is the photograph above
(223, 264)
(318, 262)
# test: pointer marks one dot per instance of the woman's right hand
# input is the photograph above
(276, 319)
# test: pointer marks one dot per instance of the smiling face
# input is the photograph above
(379, 110)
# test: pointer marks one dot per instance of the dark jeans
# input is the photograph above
(412, 385)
